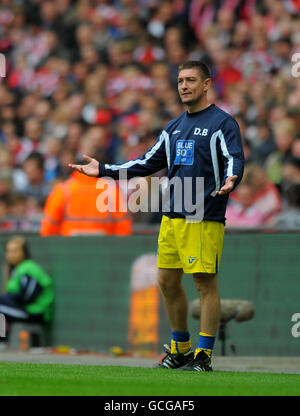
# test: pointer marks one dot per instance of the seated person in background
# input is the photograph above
(242, 213)
(290, 172)
(266, 198)
(37, 188)
(290, 217)
(28, 293)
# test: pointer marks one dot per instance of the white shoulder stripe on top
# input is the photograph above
(213, 149)
(143, 161)
(167, 146)
(226, 154)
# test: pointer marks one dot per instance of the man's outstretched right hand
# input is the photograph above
(91, 169)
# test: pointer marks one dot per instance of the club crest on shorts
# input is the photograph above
(191, 259)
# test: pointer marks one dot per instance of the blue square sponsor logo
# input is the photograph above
(184, 152)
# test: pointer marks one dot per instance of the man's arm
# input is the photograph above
(152, 161)
(232, 154)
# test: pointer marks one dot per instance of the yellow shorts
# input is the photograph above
(193, 247)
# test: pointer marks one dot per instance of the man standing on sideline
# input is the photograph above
(203, 142)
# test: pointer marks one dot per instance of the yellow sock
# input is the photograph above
(206, 344)
(182, 347)
(207, 351)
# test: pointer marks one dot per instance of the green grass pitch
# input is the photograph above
(26, 379)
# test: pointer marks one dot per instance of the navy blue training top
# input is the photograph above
(205, 144)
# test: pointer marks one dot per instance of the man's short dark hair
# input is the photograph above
(199, 65)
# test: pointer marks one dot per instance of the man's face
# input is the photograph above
(191, 86)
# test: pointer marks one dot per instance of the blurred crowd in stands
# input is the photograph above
(98, 77)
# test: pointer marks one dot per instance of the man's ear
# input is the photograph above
(207, 84)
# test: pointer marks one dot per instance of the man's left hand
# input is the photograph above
(228, 185)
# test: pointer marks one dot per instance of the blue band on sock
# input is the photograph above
(180, 336)
(206, 343)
